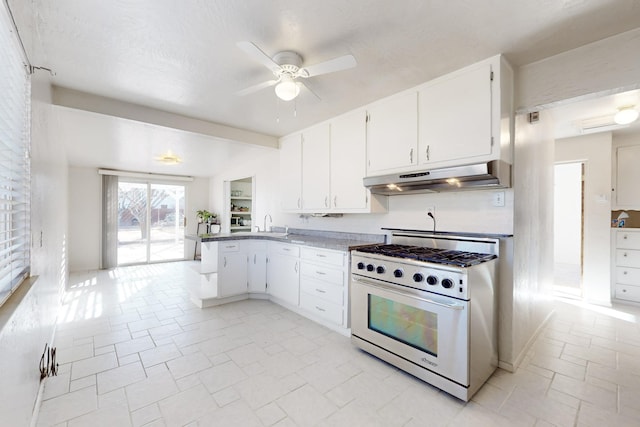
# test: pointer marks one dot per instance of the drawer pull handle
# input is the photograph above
(321, 291)
(625, 255)
(321, 256)
(320, 308)
(286, 249)
(625, 237)
(321, 273)
(624, 272)
(624, 290)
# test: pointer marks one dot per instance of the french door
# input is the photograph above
(150, 222)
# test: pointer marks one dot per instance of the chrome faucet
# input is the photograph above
(265, 222)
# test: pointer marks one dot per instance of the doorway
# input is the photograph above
(150, 222)
(568, 228)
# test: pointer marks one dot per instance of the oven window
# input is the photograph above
(409, 325)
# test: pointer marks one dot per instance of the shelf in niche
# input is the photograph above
(241, 198)
(241, 227)
(241, 212)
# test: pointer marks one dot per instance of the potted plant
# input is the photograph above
(203, 216)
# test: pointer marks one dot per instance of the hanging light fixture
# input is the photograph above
(287, 89)
(625, 115)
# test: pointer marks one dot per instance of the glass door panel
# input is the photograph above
(132, 222)
(167, 222)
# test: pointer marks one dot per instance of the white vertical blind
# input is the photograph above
(14, 163)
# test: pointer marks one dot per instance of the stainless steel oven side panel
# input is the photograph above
(453, 315)
(483, 332)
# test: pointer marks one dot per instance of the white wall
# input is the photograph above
(567, 210)
(606, 66)
(31, 325)
(595, 151)
(85, 204)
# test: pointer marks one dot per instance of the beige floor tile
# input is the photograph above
(120, 377)
(187, 365)
(157, 360)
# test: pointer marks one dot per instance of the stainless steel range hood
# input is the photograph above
(494, 174)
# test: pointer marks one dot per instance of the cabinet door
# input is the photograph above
(455, 117)
(232, 273)
(315, 168)
(348, 165)
(628, 176)
(291, 172)
(257, 270)
(392, 134)
(283, 278)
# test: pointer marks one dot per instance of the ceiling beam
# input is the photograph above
(112, 107)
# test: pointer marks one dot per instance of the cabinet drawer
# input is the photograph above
(628, 240)
(323, 273)
(628, 275)
(227, 246)
(323, 290)
(627, 258)
(324, 255)
(628, 292)
(284, 249)
(321, 308)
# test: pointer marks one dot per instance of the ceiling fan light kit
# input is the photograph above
(287, 68)
(287, 89)
(625, 115)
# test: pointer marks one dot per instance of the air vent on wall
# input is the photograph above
(599, 124)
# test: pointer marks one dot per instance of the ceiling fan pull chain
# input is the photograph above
(295, 107)
(277, 110)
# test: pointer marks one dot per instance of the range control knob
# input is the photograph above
(418, 277)
(432, 280)
(447, 283)
(398, 273)
(370, 267)
(380, 269)
(361, 266)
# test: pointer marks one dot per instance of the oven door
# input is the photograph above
(428, 330)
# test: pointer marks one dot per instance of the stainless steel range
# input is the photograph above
(427, 304)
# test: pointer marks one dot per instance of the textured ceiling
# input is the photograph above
(181, 57)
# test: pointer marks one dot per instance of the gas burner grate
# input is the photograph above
(426, 254)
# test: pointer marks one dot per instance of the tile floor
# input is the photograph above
(134, 351)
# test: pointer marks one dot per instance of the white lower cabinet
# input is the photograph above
(232, 268)
(283, 272)
(323, 284)
(257, 267)
(627, 265)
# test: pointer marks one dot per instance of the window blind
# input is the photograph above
(15, 95)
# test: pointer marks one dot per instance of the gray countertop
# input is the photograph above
(317, 239)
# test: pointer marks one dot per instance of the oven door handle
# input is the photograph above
(393, 291)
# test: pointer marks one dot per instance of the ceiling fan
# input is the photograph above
(287, 68)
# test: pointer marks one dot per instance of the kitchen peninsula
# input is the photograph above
(306, 271)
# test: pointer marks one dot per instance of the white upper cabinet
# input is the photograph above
(291, 172)
(348, 164)
(316, 189)
(392, 134)
(627, 195)
(455, 117)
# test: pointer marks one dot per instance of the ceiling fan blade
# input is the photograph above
(309, 89)
(337, 64)
(258, 55)
(255, 88)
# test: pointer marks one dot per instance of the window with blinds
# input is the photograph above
(14, 163)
